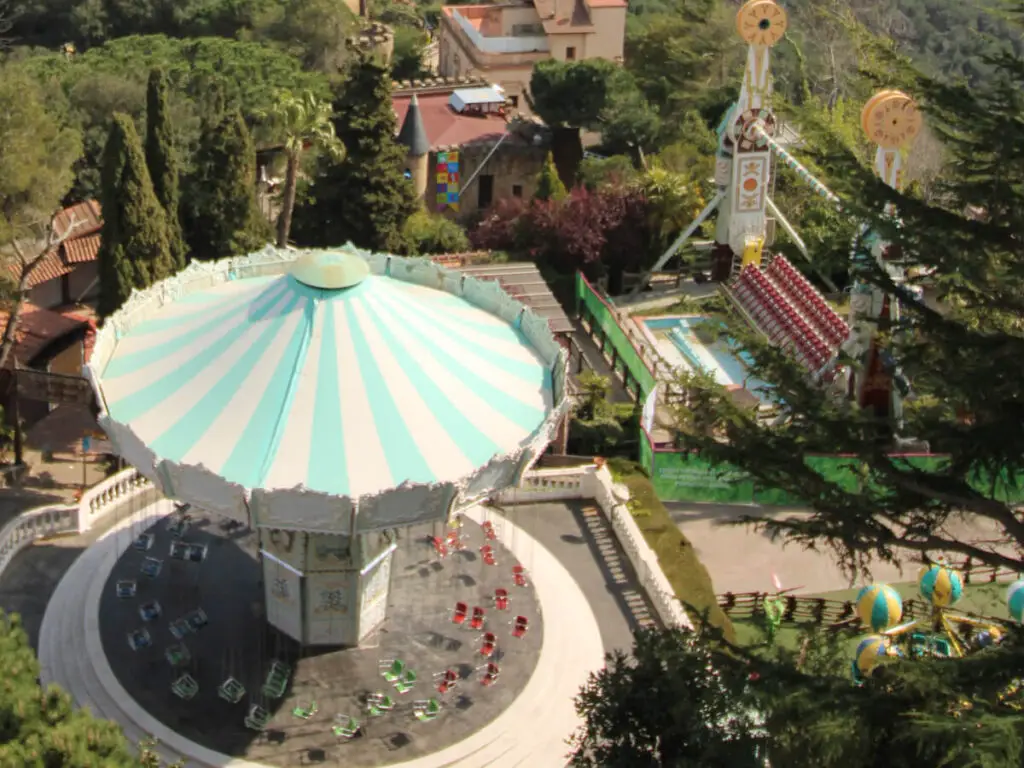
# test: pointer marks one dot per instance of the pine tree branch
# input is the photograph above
(884, 537)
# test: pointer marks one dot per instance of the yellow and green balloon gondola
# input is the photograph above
(940, 585)
(871, 651)
(879, 606)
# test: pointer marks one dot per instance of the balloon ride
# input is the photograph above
(945, 633)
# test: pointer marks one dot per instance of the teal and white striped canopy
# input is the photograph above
(269, 383)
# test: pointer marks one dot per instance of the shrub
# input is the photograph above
(428, 233)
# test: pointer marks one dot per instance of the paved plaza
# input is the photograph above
(584, 600)
(237, 642)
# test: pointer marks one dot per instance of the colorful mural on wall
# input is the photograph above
(447, 170)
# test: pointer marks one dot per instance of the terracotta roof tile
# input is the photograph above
(50, 268)
(37, 328)
(87, 216)
(444, 126)
(81, 250)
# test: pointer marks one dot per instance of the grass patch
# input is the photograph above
(685, 572)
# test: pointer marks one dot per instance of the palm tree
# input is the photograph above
(300, 122)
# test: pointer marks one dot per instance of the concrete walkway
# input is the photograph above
(580, 536)
(71, 654)
(740, 559)
(597, 362)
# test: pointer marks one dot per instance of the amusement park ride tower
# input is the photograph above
(743, 174)
(891, 120)
(743, 161)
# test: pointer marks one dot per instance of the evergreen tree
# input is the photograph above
(43, 727)
(221, 215)
(687, 698)
(365, 198)
(549, 186)
(134, 252)
(961, 351)
(163, 163)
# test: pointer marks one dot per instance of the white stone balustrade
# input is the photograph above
(99, 501)
(547, 485)
(104, 497)
(591, 482)
(33, 525)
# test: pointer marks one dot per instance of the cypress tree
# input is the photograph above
(549, 186)
(222, 217)
(134, 252)
(163, 164)
(365, 198)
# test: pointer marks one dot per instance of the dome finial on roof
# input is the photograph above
(331, 270)
(413, 135)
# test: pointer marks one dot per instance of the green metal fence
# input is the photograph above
(685, 476)
(599, 314)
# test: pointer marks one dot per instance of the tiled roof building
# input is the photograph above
(475, 155)
(68, 273)
(502, 42)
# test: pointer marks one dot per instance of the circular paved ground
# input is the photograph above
(532, 731)
(237, 642)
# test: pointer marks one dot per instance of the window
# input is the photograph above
(485, 195)
(513, 102)
(527, 30)
(517, 190)
(570, 53)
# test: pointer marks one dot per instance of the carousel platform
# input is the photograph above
(176, 633)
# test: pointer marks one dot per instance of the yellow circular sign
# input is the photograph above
(891, 119)
(761, 22)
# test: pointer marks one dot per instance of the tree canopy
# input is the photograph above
(162, 161)
(364, 198)
(689, 698)
(134, 247)
(43, 727)
(113, 78)
(221, 216)
(38, 145)
(959, 349)
(299, 122)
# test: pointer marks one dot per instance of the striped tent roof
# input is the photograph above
(270, 384)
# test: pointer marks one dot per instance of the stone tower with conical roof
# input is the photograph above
(413, 136)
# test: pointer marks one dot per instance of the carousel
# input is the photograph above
(326, 400)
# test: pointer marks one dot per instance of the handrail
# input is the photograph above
(33, 525)
(56, 519)
(595, 482)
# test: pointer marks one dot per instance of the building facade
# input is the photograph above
(465, 154)
(501, 42)
(68, 274)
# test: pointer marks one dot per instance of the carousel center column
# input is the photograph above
(326, 589)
